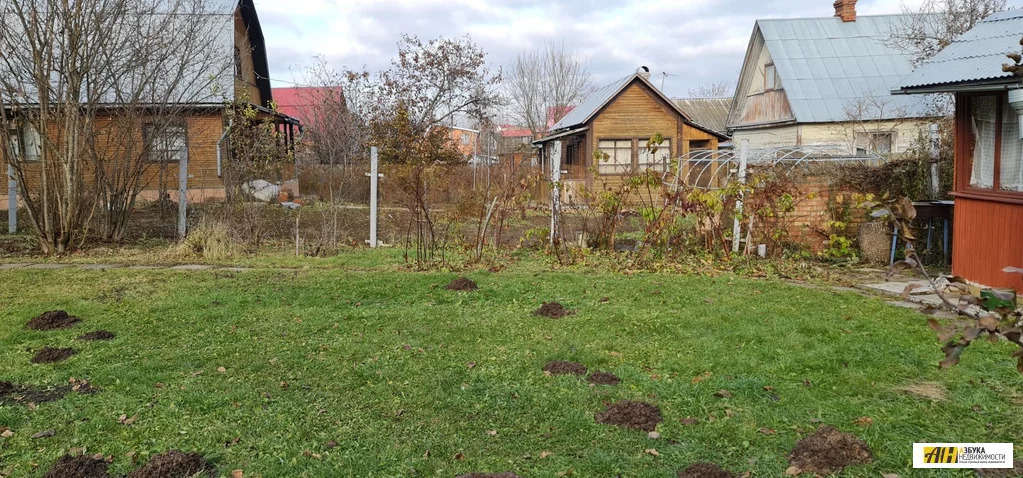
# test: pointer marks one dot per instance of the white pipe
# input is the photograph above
(221, 141)
(736, 226)
(374, 177)
(183, 196)
(12, 201)
(555, 158)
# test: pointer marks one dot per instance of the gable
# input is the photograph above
(755, 104)
(636, 112)
(254, 74)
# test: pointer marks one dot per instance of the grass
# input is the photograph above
(378, 361)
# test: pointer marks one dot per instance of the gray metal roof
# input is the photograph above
(711, 113)
(589, 105)
(826, 65)
(975, 56)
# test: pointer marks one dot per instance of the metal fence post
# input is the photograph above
(555, 189)
(935, 152)
(374, 178)
(183, 197)
(737, 224)
(12, 201)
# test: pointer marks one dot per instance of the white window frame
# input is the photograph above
(659, 161)
(619, 156)
(771, 80)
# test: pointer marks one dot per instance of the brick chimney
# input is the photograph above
(846, 10)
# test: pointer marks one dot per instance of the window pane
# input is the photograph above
(619, 156)
(770, 77)
(32, 142)
(1011, 178)
(659, 161)
(982, 174)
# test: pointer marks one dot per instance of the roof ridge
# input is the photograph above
(775, 19)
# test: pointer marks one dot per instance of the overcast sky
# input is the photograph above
(693, 41)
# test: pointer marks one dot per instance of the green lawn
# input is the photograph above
(378, 362)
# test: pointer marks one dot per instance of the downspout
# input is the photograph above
(220, 141)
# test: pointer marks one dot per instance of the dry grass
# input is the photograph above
(929, 390)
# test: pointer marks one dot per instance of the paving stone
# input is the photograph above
(47, 266)
(233, 269)
(99, 267)
(19, 265)
(192, 267)
(902, 303)
(144, 268)
(896, 288)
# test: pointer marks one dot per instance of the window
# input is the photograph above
(465, 138)
(165, 142)
(657, 161)
(874, 143)
(997, 159)
(617, 156)
(237, 62)
(26, 143)
(770, 77)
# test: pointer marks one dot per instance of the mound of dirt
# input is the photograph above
(174, 464)
(52, 320)
(98, 335)
(69, 466)
(462, 283)
(604, 378)
(828, 451)
(51, 355)
(489, 475)
(553, 310)
(630, 414)
(14, 393)
(562, 367)
(705, 470)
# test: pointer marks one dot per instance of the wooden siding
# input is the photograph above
(245, 88)
(203, 133)
(906, 133)
(753, 105)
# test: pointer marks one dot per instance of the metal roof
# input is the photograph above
(711, 113)
(825, 65)
(975, 56)
(595, 101)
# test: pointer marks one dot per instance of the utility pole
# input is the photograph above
(183, 197)
(12, 201)
(374, 178)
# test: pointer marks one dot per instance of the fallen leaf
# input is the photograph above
(768, 388)
(44, 434)
(793, 471)
(890, 475)
(459, 457)
(653, 435)
(7, 433)
(651, 451)
(568, 472)
(31, 406)
(238, 474)
(221, 369)
(864, 421)
(746, 474)
(197, 373)
(545, 454)
(492, 433)
(471, 365)
(688, 421)
(723, 394)
(807, 383)
(426, 454)
(767, 431)
(124, 420)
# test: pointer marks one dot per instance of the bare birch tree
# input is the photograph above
(713, 89)
(78, 80)
(543, 82)
(936, 23)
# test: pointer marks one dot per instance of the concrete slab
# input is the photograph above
(144, 268)
(48, 266)
(233, 269)
(19, 265)
(191, 267)
(902, 303)
(100, 267)
(896, 288)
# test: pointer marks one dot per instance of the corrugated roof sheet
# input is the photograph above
(591, 104)
(711, 113)
(825, 65)
(977, 55)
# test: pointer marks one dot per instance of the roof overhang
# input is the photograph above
(1000, 84)
(561, 134)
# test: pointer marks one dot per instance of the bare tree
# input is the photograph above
(543, 82)
(936, 23)
(78, 80)
(872, 124)
(713, 89)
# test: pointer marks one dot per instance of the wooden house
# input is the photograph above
(618, 120)
(988, 188)
(826, 82)
(236, 60)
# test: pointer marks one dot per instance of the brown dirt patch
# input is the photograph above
(630, 414)
(562, 367)
(828, 451)
(98, 335)
(705, 470)
(1015, 472)
(69, 466)
(462, 283)
(52, 320)
(553, 310)
(14, 393)
(51, 355)
(489, 475)
(174, 464)
(929, 390)
(604, 378)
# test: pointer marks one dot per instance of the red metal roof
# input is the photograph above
(512, 131)
(301, 102)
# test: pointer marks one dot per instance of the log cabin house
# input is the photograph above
(988, 187)
(826, 82)
(201, 134)
(618, 120)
